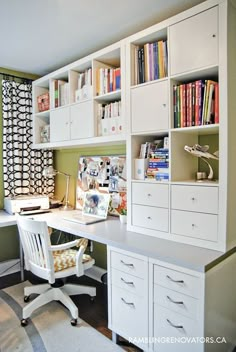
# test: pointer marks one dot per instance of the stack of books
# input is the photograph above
(158, 165)
(196, 103)
(150, 62)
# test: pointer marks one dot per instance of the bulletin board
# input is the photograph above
(103, 174)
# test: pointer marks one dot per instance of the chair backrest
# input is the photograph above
(35, 241)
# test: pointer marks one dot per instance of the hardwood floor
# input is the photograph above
(94, 313)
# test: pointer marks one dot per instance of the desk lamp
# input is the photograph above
(50, 171)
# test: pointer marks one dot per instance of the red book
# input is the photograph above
(56, 93)
(217, 103)
(183, 122)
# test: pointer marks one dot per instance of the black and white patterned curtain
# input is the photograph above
(22, 165)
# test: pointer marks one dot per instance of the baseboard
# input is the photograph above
(95, 273)
(9, 267)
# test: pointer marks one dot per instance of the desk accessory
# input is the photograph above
(50, 171)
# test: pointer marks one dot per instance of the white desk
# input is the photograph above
(112, 232)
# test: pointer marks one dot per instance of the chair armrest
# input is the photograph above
(67, 245)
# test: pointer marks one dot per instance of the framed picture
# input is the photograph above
(103, 174)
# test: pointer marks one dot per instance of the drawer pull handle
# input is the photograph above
(127, 264)
(127, 282)
(175, 302)
(176, 281)
(149, 195)
(149, 218)
(193, 199)
(128, 303)
(173, 325)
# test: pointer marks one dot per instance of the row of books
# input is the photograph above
(150, 62)
(107, 80)
(109, 110)
(196, 103)
(59, 91)
(85, 78)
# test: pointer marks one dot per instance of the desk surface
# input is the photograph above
(111, 232)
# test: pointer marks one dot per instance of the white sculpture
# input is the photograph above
(202, 152)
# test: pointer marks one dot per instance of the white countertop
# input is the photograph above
(111, 232)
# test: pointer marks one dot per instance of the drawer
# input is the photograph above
(196, 225)
(150, 194)
(169, 324)
(178, 302)
(129, 314)
(195, 198)
(128, 282)
(150, 217)
(128, 264)
(178, 281)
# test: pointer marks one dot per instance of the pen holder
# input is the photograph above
(140, 168)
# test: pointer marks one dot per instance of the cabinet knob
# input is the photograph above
(149, 218)
(213, 35)
(164, 105)
(193, 199)
(149, 195)
(193, 225)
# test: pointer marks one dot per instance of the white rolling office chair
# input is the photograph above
(52, 262)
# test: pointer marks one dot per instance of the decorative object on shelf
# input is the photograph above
(45, 134)
(50, 171)
(43, 102)
(202, 152)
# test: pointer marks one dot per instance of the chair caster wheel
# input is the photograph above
(73, 322)
(26, 298)
(24, 322)
(92, 299)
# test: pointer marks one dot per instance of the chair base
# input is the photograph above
(47, 294)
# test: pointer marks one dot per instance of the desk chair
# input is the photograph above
(52, 262)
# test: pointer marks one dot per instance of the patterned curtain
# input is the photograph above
(22, 165)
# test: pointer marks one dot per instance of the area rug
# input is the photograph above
(49, 329)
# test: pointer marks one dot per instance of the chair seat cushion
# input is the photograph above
(65, 259)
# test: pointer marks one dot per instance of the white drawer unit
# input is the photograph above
(195, 225)
(150, 194)
(128, 295)
(177, 281)
(150, 217)
(127, 264)
(171, 325)
(178, 302)
(195, 198)
(129, 314)
(128, 282)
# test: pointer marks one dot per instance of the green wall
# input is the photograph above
(66, 160)
(9, 246)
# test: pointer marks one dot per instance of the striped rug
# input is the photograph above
(49, 328)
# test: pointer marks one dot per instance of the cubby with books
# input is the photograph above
(73, 116)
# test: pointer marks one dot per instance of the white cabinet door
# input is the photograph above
(194, 42)
(149, 107)
(82, 122)
(59, 124)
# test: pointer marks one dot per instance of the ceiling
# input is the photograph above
(39, 36)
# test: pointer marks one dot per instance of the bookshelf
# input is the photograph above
(193, 58)
(106, 109)
(77, 93)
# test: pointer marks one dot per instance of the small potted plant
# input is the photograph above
(123, 216)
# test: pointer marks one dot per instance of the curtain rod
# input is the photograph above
(14, 76)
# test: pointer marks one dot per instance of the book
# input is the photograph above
(217, 103)
(56, 94)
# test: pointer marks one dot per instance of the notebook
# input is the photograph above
(95, 209)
